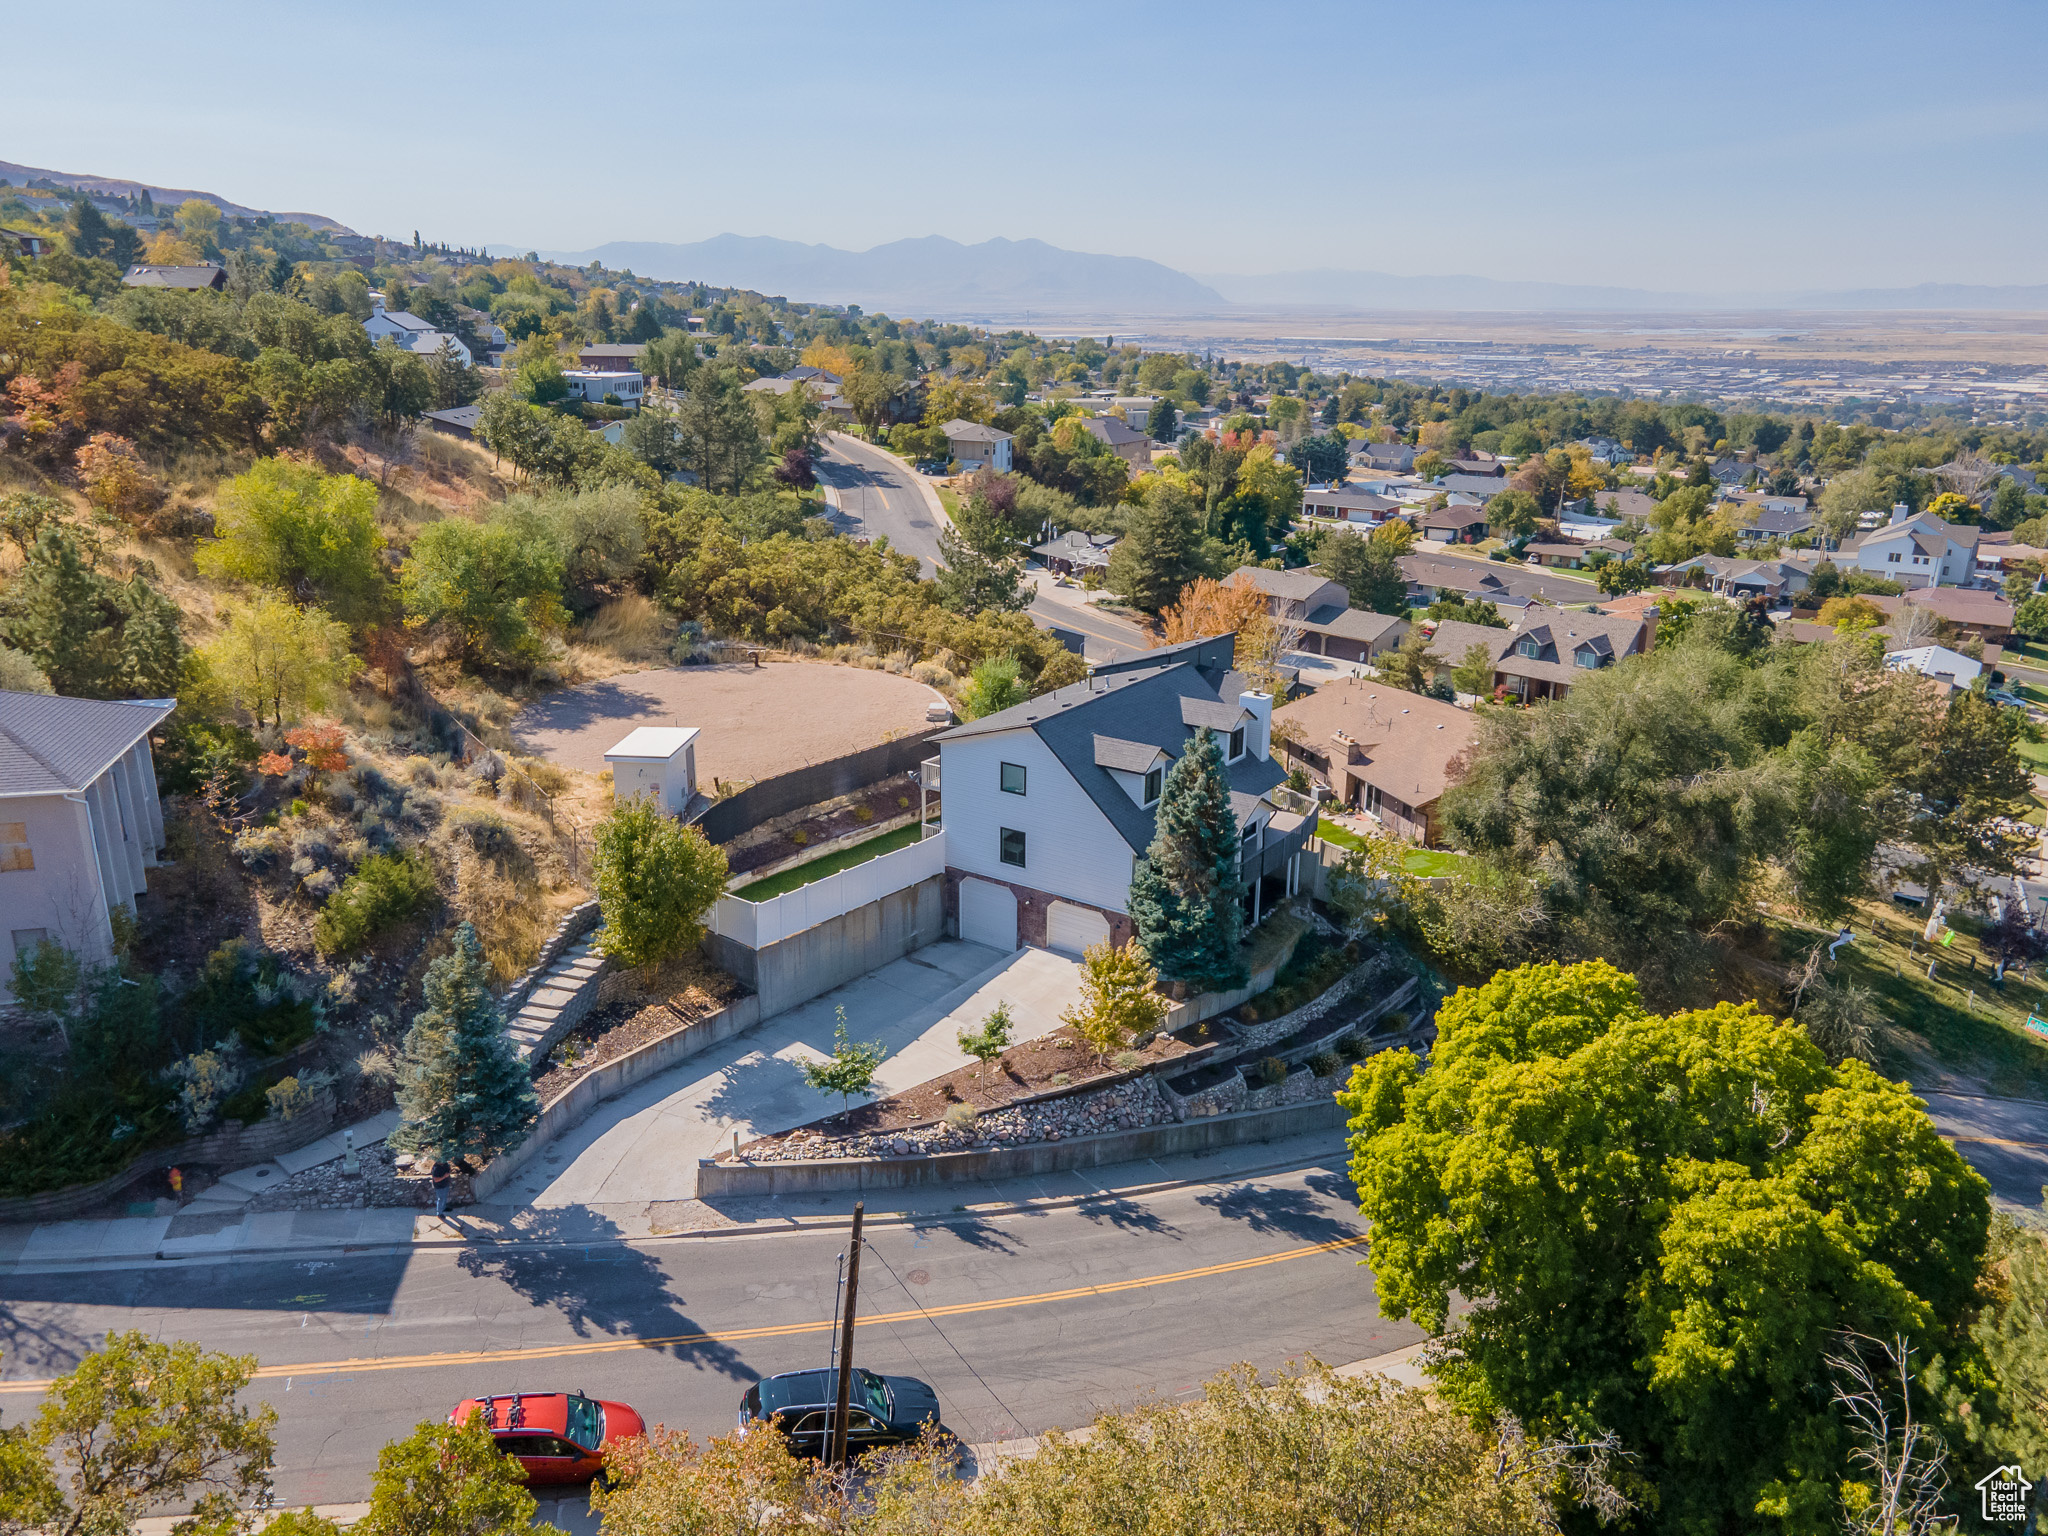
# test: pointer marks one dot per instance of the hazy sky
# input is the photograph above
(1649, 143)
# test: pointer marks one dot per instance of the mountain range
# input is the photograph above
(927, 276)
(1025, 280)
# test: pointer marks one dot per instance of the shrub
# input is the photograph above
(962, 1117)
(387, 889)
(1352, 1047)
(290, 1097)
(1325, 1064)
(655, 880)
(863, 814)
(1127, 1061)
(1272, 1071)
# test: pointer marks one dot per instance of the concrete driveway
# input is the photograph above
(644, 1145)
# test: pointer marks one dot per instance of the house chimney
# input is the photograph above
(1651, 615)
(1260, 738)
(376, 305)
(1900, 512)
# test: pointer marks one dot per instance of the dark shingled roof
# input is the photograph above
(51, 745)
(1134, 704)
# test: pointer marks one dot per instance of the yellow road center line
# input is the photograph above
(775, 1331)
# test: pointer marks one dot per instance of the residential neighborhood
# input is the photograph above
(684, 849)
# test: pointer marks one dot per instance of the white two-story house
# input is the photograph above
(411, 332)
(1918, 549)
(1050, 805)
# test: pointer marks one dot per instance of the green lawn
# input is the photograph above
(1962, 1019)
(2033, 753)
(1426, 862)
(831, 864)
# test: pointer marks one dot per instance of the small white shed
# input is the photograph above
(660, 760)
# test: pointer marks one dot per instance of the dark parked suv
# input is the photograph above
(886, 1410)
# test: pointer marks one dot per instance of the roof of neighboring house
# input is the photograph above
(1494, 579)
(1297, 585)
(1570, 547)
(1927, 532)
(1935, 661)
(1133, 708)
(205, 275)
(1565, 631)
(959, 431)
(1452, 638)
(1959, 605)
(1456, 515)
(1347, 501)
(1409, 743)
(51, 745)
(1474, 485)
(1625, 504)
(617, 351)
(1479, 464)
(1351, 623)
(810, 375)
(1767, 499)
(463, 417)
(1731, 569)
(1388, 453)
(1771, 520)
(1076, 545)
(1118, 434)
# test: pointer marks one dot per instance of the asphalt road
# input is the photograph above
(1021, 1321)
(884, 498)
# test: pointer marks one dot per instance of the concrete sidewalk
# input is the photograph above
(644, 1145)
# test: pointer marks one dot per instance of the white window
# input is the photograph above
(1893, 558)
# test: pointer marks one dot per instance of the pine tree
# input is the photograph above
(462, 1091)
(1185, 898)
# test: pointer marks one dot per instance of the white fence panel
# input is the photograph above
(759, 924)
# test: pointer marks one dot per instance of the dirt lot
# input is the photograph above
(756, 721)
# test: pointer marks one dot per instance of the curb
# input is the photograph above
(758, 1228)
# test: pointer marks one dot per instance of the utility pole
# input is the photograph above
(842, 1419)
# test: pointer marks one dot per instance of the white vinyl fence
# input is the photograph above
(759, 924)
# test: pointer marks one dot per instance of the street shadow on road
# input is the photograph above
(605, 1288)
(974, 1231)
(1296, 1213)
(35, 1346)
(1126, 1216)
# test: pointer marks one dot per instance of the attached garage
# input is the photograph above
(988, 914)
(1070, 929)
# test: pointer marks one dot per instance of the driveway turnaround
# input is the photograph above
(756, 721)
(644, 1145)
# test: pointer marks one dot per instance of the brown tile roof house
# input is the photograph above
(1984, 614)
(1388, 753)
(205, 275)
(1623, 504)
(1292, 596)
(1549, 649)
(1431, 576)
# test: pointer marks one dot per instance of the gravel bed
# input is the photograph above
(1127, 1106)
(381, 1183)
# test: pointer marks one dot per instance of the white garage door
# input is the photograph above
(988, 914)
(1070, 929)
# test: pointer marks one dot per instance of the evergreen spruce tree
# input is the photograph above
(1185, 897)
(462, 1091)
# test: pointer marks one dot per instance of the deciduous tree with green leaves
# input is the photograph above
(274, 656)
(448, 1480)
(988, 1043)
(995, 684)
(851, 1067)
(280, 524)
(1186, 895)
(1660, 1225)
(1117, 1000)
(655, 879)
(1369, 569)
(136, 1425)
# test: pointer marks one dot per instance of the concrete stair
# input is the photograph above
(559, 1001)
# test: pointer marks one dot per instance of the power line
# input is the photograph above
(1016, 1423)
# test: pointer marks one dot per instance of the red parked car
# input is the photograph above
(559, 1437)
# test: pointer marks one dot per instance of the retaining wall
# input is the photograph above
(800, 787)
(1207, 1005)
(829, 954)
(235, 1145)
(576, 1102)
(887, 1173)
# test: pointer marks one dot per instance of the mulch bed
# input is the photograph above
(892, 797)
(1023, 1070)
(616, 1028)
